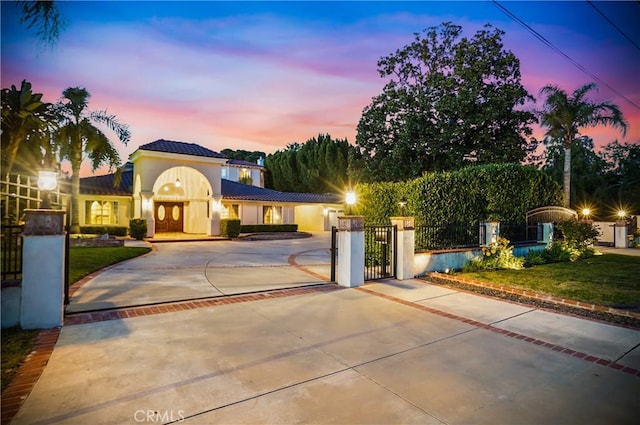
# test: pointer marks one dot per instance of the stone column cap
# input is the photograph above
(43, 222)
(351, 223)
(404, 223)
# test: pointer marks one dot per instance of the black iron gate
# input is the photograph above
(380, 252)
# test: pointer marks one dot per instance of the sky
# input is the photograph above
(262, 75)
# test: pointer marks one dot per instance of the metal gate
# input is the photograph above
(379, 252)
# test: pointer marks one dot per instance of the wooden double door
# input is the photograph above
(169, 216)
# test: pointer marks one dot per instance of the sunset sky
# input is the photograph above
(261, 75)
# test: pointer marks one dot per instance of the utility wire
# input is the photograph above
(613, 24)
(561, 53)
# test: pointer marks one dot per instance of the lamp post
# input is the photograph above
(350, 199)
(47, 181)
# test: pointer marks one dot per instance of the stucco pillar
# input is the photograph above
(405, 249)
(620, 234)
(491, 232)
(147, 212)
(545, 233)
(42, 305)
(213, 229)
(351, 251)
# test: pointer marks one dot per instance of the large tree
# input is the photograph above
(450, 101)
(564, 115)
(26, 121)
(78, 136)
(623, 175)
(317, 166)
(44, 17)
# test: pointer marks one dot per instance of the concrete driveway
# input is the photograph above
(177, 271)
(388, 352)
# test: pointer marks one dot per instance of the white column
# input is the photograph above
(547, 233)
(147, 212)
(620, 234)
(491, 232)
(351, 251)
(42, 305)
(213, 229)
(405, 249)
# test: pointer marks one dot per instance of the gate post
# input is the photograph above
(405, 247)
(43, 269)
(351, 249)
(491, 232)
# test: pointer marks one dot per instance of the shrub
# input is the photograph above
(560, 252)
(257, 228)
(101, 230)
(230, 228)
(138, 228)
(496, 256)
(535, 258)
(578, 234)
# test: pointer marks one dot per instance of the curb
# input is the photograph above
(444, 278)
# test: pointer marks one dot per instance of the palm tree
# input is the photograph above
(24, 120)
(78, 135)
(564, 115)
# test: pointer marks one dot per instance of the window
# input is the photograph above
(271, 215)
(230, 211)
(225, 173)
(245, 176)
(101, 212)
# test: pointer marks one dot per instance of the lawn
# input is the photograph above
(85, 260)
(17, 343)
(609, 279)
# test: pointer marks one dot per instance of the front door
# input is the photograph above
(168, 216)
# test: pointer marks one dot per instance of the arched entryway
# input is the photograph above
(181, 198)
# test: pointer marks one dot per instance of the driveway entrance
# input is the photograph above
(179, 271)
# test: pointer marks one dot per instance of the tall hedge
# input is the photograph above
(503, 192)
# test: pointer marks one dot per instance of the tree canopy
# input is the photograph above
(243, 155)
(564, 115)
(319, 165)
(451, 101)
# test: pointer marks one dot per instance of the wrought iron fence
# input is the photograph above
(519, 233)
(12, 252)
(447, 236)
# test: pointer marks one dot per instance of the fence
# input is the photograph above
(448, 236)
(22, 193)
(519, 233)
(11, 252)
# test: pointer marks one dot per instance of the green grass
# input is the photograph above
(85, 260)
(17, 343)
(609, 279)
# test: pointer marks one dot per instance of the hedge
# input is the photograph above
(257, 228)
(138, 228)
(101, 230)
(502, 192)
(230, 227)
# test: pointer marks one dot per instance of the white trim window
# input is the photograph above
(231, 211)
(271, 214)
(101, 212)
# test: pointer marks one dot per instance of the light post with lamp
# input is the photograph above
(43, 267)
(350, 199)
(620, 230)
(403, 203)
(47, 181)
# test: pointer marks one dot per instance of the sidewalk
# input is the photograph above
(388, 352)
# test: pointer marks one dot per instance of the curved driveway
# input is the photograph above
(189, 270)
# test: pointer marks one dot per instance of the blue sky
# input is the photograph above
(261, 75)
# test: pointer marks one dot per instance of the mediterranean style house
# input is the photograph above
(185, 187)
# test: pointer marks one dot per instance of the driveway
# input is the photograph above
(177, 271)
(389, 352)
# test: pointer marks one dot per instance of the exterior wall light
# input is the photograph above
(178, 183)
(403, 203)
(47, 181)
